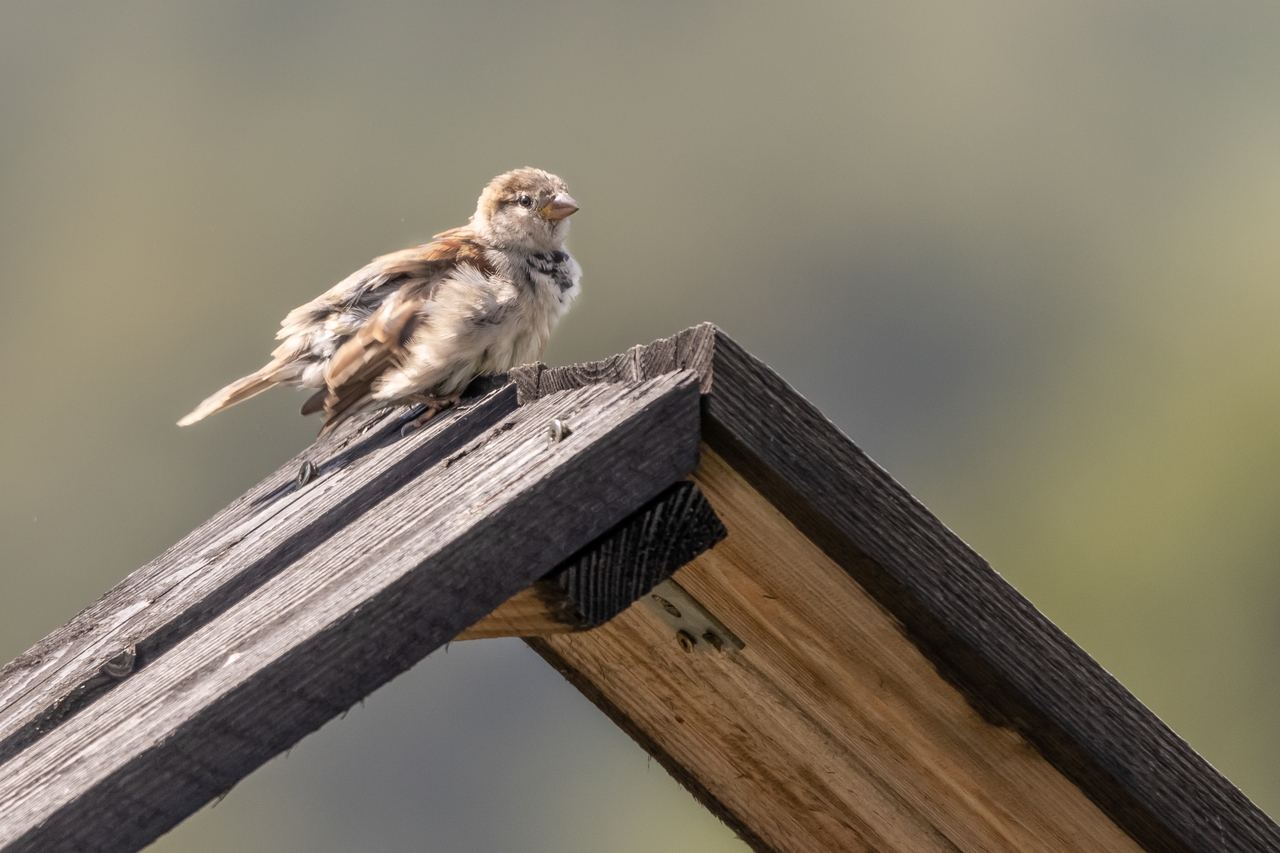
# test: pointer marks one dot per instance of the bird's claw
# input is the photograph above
(435, 405)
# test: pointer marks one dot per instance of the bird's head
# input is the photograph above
(525, 209)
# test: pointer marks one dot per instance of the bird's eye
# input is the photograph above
(524, 201)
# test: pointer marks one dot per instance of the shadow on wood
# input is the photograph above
(611, 573)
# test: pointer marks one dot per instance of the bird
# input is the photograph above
(418, 325)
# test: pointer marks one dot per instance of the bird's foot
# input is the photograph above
(435, 405)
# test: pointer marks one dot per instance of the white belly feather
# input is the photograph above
(476, 325)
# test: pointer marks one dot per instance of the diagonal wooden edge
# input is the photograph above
(740, 824)
(458, 531)
(1011, 663)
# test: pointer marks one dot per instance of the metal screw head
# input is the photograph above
(558, 430)
(686, 641)
(306, 473)
(667, 605)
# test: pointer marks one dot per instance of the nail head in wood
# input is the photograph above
(690, 620)
(122, 664)
(558, 431)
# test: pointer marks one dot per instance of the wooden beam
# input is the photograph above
(601, 581)
(892, 693)
(473, 522)
(238, 550)
(538, 611)
(1013, 666)
(832, 731)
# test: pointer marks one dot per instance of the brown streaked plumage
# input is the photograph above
(419, 324)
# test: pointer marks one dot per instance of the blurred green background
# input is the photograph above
(1025, 254)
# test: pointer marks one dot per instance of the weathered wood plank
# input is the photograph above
(693, 349)
(612, 572)
(831, 730)
(607, 576)
(1014, 666)
(226, 558)
(376, 596)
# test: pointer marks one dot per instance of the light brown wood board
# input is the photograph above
(1014, 666)
(830, 730)
(531, 612)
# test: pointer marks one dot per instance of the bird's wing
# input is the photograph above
(350, 313)
(379, 342)
(343, 308)
(375, 347)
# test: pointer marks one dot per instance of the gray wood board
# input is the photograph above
(1015, 667)
(364, 605)
(237, 550)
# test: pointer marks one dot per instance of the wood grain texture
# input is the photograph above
(374, 597)
(300, 598)
(236, 551)
(830, 730)
(1011, 663)
(612, 572)
(640, 553)
(693, 349)
(535, 611)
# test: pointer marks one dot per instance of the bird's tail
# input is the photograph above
(236, 392)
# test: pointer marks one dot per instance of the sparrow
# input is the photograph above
(416, 326)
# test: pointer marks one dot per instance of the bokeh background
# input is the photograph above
(1025, 254)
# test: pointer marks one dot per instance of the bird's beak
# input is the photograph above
(561, 207)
